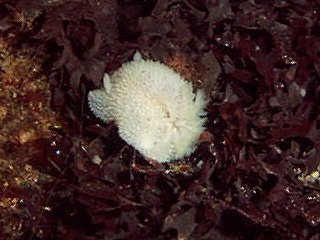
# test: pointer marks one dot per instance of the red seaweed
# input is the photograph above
(255, 178)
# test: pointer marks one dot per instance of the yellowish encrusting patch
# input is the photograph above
(155, 109)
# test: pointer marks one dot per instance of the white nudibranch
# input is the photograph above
(155, 109)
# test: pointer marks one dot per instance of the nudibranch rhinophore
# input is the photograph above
(155, 109)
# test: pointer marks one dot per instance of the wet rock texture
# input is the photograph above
(66, 175)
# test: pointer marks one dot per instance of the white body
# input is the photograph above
(154, 108)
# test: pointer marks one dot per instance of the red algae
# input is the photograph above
(67, 175)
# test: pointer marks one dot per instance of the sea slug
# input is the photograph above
(155, 109)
